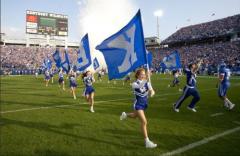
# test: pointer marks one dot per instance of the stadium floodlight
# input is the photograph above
(158, 14)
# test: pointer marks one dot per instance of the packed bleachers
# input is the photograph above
(211, 41)
(201, 31)
(19, 57)
(212, 54)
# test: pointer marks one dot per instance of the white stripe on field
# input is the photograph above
(216, 114)
(236, 122)
(201, 142)
(59, 106)
(47, 107)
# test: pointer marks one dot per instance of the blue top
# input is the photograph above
(191, 78)
(141, 88)
(47, 73)
(88, 80)
(72, 78)
(60, 75)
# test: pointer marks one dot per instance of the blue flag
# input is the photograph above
(125, 50)
(84, 56)
(95, 63)
(47, 64)
(57, 58)
(66, 64)
(150, 58)
(171, 61)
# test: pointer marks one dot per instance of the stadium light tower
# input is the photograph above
(158, 14)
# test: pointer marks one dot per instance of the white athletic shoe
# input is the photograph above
(91, 110)
(179, 89)
(226, 105)
(192, 109)
(150, 144)
(168, 85)
(231, 106)
(175, 109)
(123, 116)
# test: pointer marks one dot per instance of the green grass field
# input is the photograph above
(38, 120)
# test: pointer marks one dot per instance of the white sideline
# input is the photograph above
(236, 122)
(216, 114)
(201, 142)
(47, 107)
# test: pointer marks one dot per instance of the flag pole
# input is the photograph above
(148, 71)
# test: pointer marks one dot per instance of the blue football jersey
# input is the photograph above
(226, 73)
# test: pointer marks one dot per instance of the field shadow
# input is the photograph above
(56, 129)
(48, 152)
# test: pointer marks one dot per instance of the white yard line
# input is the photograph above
(48, 107)
(216, 114)
(236, 122)
(201, 142)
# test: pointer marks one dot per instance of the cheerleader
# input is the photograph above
(88, 80)
(51, 74)
(141, 88)
(47, 77)
(73, 82)
(61, 79)
(175, 82)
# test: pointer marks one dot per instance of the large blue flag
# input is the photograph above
(66, 64)
(95, 63)
(57, 58)
(150, 58)
(171, 61)
(84, 56)
(125, 51)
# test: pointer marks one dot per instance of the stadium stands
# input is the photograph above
(213, 42)
(21, 58)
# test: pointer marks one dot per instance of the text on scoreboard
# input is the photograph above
(43, 23)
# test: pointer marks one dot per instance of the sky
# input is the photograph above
(101, 18)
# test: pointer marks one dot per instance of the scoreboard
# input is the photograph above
(43, 23)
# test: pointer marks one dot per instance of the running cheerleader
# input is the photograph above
(61, 79)
(51, 74)
(88, 80)
(73, 82)
(47, 77)
(176, 74)
(141, 88)
(190, 88)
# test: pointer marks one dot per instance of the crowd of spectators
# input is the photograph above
(212, 55)
(211, 29)
(20, 57)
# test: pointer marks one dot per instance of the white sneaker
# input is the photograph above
(231, 106)
(179, 89)
(91, 109)
(192, 109)
(168, 85)
(226, 105)
(175, 109)
(123, 116)
(150, 144)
